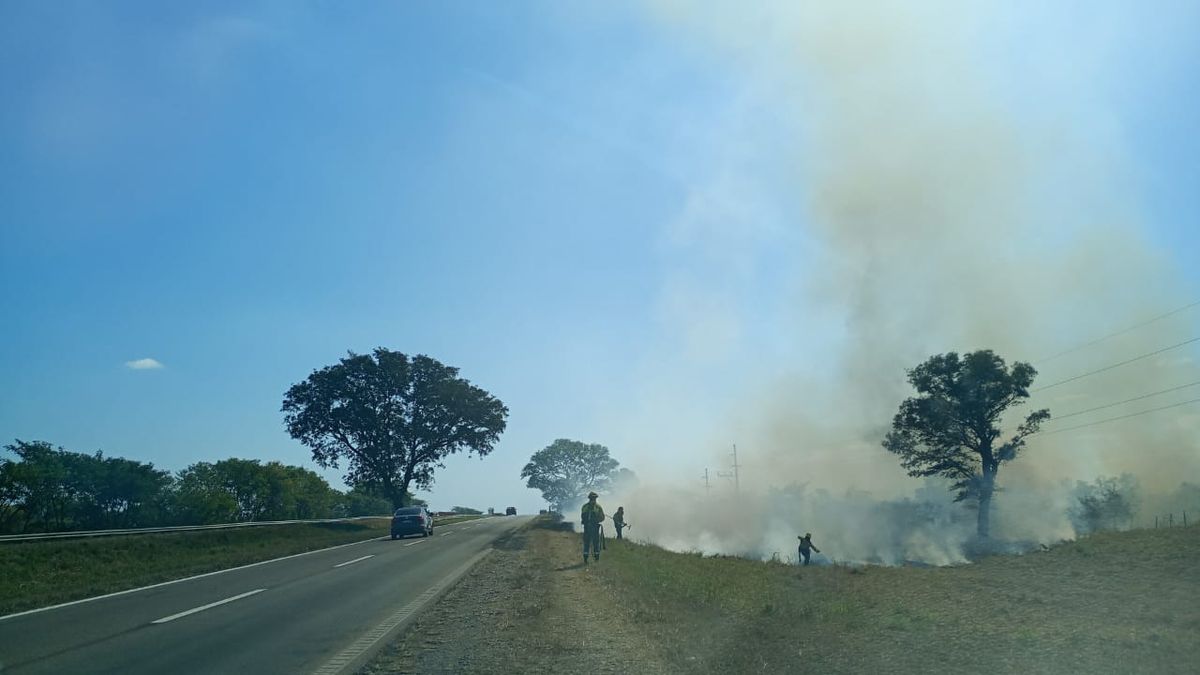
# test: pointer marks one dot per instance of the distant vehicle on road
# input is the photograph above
(412, 520)
(510, 511)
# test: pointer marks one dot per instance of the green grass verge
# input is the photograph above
(1109, 603)
(450, 520)
(40, 573)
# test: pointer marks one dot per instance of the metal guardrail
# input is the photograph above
(179, 528)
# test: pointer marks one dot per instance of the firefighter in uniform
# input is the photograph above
(591, 515)
(619, 520)
(806, 547)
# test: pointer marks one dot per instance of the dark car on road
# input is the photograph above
(412, 520)
(510, 511)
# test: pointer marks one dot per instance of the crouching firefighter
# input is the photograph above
(591, 515)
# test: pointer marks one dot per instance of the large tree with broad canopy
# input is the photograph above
(566, 470)
(952, 427)
(392, 418)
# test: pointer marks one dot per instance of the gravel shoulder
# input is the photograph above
(530, 606)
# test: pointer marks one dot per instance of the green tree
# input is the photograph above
(243, 490)
(202, 496)
(358, 502)
(566, 470)
(625, 481)
(1106, 504)
(49, 488)
(12, 497)
(952, 428)
(41, 473)
(466, 511)
(310, 496)
(367, 500)
(393, 418)
(113, 492)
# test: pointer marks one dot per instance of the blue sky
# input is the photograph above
(527, 191)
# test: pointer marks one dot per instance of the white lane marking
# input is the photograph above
(179, 581)
(208, 606)
(352, 657)
(419, 541)
(351, 562)
(447, 534)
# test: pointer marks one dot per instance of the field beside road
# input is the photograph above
(1109, 603)
(41, 573)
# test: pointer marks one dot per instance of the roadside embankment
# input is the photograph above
(1109, 603)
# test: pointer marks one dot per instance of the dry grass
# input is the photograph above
(1110, 603)
(530, 607)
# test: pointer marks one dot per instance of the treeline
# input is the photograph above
(48, 489)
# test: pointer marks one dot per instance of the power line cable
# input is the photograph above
(1128, 400)
(1117, 365)
(1114, 419)
(1120, 332)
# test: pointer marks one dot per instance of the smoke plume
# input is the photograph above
(946, 190)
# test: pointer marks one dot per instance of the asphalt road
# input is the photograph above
(288, 616)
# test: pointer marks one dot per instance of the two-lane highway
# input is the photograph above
(291, 615)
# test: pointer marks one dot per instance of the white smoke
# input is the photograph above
(942, 198)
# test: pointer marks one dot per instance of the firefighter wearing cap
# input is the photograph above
(591, 515)
(806, 547)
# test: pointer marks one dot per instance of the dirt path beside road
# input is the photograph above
(530, 606)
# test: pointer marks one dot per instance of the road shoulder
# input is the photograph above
(530, 606)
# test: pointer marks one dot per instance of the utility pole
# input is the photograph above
(707, 486)
(736, 466)
(734, 474)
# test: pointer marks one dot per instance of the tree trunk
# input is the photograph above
(986, 487)
(399, 499)
(983, 526)
(389, 491)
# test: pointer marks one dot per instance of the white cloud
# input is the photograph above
(144, 364)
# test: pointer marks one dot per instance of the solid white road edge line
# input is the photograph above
(210, 605)
(179, 581)
(353, 657)
(351, 562)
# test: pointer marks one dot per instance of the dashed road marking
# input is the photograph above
(351, 562)
(353, 657)
(210, 605)
(179, 581)
(419, 541)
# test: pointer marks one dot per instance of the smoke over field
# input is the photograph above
(955, 181)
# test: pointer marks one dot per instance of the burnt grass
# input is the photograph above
(1108, 603)
(1117, 602)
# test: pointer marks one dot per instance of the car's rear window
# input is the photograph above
(408, 511)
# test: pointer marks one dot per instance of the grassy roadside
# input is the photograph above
(1110, 603)
(40, 573)
(529, 607)
(450, 520)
